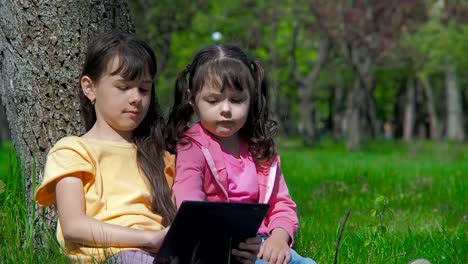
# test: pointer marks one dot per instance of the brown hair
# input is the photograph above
(136, 61)
(225, 66)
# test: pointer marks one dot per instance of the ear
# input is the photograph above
(189, 95)
(87, 86)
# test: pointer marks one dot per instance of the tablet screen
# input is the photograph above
(206, 232)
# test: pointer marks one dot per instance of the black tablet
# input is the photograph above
(205, 232)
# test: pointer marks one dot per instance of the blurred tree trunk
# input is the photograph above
(455, 129)
(409, 115)
(42, 46)
(274, 92)
(4, 129)
(362, 116)
(306, 91)
(339, 108)
(434, 123)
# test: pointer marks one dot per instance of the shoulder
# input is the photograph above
(69, 143)
(198, 135)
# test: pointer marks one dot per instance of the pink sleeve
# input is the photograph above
(190, 167)
(282, 212)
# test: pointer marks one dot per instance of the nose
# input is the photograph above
(135, 96)
(226, 109)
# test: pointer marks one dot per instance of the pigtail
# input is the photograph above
(181, 112)
(261, 128)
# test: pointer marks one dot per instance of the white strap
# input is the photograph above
(271, 181)
(213, 169)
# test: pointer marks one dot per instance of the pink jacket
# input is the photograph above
(201, 175)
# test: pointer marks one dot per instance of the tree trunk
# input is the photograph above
(455, 130)
(356, 112)
(306, 90)
(42, 46)
(339, 108)
(4, 129)
(409, 115)
(274, 92)
(434, 127)
(362, 109)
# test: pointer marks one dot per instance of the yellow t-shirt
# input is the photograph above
(116, 190)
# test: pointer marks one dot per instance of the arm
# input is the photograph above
(282, 208)
(190, 173)
(282, 223)
(77, 227)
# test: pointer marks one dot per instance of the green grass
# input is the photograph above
(408, 201)
(20, 241)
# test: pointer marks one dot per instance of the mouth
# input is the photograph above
(132, 113)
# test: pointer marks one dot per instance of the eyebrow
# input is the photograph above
(140, 81)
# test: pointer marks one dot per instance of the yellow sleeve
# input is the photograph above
(66, 159)
(169, 169)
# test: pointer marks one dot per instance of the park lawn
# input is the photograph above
(407, 201)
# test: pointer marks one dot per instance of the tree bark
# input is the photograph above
(355, 120)
(306, 90)
(434, 123)
(409, 115)
(361, 108)
(42, 46)
(339, 108)
(455, 129)
(4, 129)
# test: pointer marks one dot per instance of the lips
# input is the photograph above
(132, 113)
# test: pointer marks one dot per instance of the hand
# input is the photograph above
(275, 249)
(155, 239)
(247, 252)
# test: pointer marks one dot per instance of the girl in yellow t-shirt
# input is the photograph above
(112, 185)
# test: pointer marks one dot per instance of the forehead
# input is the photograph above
(127, 70)
(208, 89)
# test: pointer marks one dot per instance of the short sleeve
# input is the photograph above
(169, 168)
(66, 159)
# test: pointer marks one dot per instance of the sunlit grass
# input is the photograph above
(424, 184)
(20, 242)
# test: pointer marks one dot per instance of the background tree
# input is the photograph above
(42, 47)
(365, 31)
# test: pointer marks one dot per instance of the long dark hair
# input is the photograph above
(226, 67)
(137, 61)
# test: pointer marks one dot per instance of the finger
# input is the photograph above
(243, 260)
(273, 258)
(287, 259)
(254, 248)
(254, 240)
(280, 259)
(267, 255)
(243, 254)
(261, 251)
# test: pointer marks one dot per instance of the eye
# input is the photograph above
(237, 100)
(211, 100)
(144, 90)
(123, 88)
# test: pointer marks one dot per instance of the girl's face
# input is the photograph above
(222, 113)
(120, 104)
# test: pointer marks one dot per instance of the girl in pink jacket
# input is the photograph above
(230, 154)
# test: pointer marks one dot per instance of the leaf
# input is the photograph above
(367, 242)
